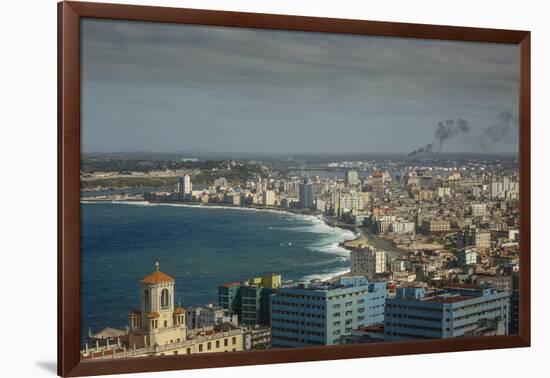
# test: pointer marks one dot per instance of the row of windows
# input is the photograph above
(474, 324)
(348, 321)
(337, 332)
(294, 304)
(154, 323)
(209, 344)
(479, 304)
(470, 307)
(406, 335)
(413, 308)
(294, 340)
(288, 321)
(301, 296)
(164, 299)
(347, 313)
(390, 315)
(346, 295)
(298, 331)
(285, 338)
(188, 350)
(296, 313)
(402, 316)
(409, 326)
(479, 313)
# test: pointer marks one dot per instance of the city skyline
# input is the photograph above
(303, 189)
(157, 87)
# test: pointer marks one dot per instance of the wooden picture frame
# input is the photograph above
(69, 17)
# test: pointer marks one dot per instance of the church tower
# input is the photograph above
(157, 322)
(157, 292)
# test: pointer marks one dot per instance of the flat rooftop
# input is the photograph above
(453, 299)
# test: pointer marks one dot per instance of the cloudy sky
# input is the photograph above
(162, 87)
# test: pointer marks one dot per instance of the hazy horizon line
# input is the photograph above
(296, 153)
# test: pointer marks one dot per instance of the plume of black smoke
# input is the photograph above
(427, 149)
(445, 130)
(504, 129)
(450, 128)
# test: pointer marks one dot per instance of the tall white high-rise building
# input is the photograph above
(268, 198)
(185, 187)
(352, 178)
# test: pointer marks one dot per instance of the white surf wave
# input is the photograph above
(325, 276)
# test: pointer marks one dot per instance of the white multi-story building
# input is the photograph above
(268, 198)
(384, 224)
(208, 316)
(479, 209)
(367, 261)
(344, 202)
(436, 225)
(403, 228)
(351, 201)
(352, 178)
(321, 205)
(466, 256)
(504, 188)
(184, 186)
(471, 237)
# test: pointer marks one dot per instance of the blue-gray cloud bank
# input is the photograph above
(165, 87)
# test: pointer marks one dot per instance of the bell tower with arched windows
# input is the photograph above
(157, 292)
(157, 321)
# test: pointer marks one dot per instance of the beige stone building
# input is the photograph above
(436, 226)
(158, 328)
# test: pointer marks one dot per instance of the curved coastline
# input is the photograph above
(334, 248)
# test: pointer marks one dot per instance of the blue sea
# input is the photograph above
(201, 247)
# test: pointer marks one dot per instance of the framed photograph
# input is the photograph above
(239, 188)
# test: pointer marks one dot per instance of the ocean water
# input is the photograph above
(201, 247)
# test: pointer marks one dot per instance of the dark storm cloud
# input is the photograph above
(161, 86)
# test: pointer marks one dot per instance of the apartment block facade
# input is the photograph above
(320, 313)
(453, 312)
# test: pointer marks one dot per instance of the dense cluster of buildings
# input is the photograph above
(455, 272)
